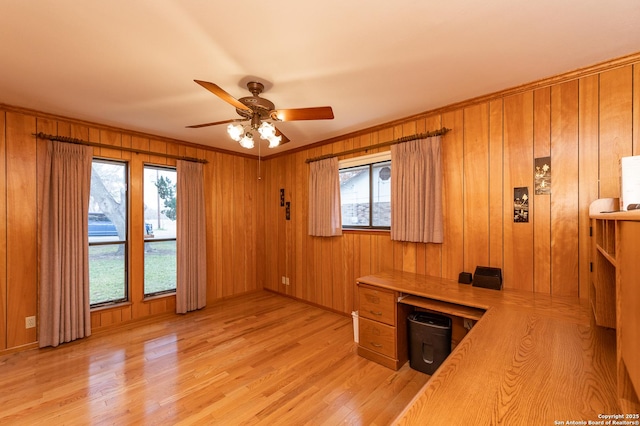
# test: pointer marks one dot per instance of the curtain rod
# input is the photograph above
(41, 135)
(382, 144)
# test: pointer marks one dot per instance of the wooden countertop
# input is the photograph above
(531, 359)
(616, 215)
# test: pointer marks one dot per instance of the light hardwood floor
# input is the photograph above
(256, 359)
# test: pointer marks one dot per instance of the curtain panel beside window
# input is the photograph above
(325, 219)
(191, 242)
(64, 268)
(416, 191)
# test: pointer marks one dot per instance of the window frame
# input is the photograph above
(160, 293)
(126, 242)
(371, 161)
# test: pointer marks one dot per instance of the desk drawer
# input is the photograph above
(378, 305)
(377, 337)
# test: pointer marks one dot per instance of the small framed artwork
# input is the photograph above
(542, 176)
(521, 204)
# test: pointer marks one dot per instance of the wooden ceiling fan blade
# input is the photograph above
(215, 123)
(295, 114)
(219, 92)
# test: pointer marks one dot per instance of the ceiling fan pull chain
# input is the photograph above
(259, 161)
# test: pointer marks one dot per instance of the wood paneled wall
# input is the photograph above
(585, 122)
(233, 197)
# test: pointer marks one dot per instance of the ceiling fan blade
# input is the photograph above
(215, 123)
(318, 113)
(216, 90)
(284, 138)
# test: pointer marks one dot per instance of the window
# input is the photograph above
(365, 191)
(159, 230)
(108, 233)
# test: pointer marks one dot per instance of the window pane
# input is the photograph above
(108, 233)
(354, 196)
(159, 266)
(160, 202)
(381, 188)
(107, 273)
(160, 196)
(108, 202)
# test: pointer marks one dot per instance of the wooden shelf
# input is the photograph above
(604, 262)
(607, 256)
(444, 307)
(614, 292)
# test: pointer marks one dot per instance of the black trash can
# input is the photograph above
(429, 341)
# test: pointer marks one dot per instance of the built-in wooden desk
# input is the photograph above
(530, 359)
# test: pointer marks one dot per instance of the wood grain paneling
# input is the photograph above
(615, 127)
(542, 206)
(587, 171)
(240, 224)
(453, 198)
(518, 160)
(381, 254)
(3, 234)
(636, 109)
(113, 138)
(476, 182)
(564, 184)
(21, 227)
(227, 220)
(250, 235)
(496, 195)
(136, 224)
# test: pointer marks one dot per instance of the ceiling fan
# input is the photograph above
(259, 113)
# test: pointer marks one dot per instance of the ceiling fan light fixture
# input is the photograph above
(235, 131)
(277, 115)
(268, 132)
(247, 141)
(274, 141)
(255, 109)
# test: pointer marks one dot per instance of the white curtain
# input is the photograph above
(325, 218)
(191, 288)
(416, 191)
(64, 268)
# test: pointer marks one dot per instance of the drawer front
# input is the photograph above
(377, 305)
(377, 337)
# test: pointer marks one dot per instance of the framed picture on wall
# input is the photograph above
(521, 204)
(542, 176)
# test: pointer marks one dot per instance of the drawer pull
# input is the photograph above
(376, 312)
(376, 345)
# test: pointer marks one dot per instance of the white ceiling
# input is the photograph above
(131, 64)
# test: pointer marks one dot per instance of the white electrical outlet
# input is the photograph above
(30, 322)
(287, 283)
(284, 280)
